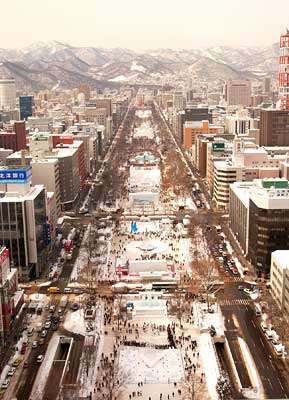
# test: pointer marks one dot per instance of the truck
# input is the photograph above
(63, 301)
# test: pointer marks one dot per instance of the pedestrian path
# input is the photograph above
(234, 302)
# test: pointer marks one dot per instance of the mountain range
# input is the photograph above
(63, 66)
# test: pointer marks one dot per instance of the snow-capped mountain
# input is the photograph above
(42, 65)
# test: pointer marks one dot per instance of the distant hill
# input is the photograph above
(55, 64)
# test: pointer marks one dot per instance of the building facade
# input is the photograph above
(7, 94)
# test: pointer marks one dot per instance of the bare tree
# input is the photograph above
(204, 277)
(194, 387)
(112, 381)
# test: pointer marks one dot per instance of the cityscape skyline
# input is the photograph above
(155, 25)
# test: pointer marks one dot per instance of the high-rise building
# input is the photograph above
(238, 93)
(259, 217)
(284, 72)
(23, 221)
(274, 127)
(7, 94)
(26, 104)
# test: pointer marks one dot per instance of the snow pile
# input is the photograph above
(74, 322)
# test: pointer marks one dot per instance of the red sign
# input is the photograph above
(4, 255)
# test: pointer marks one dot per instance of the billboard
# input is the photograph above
(218, 146)
(15, 175)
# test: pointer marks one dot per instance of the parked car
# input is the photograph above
(5, 383)
(11, 371)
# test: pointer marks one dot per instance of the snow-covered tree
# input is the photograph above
(223, 387)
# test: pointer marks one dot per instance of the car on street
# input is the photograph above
(47, 325)
(34, 344)
(40, 358)
(41, 341)
(5, 384)
(67, 290)
(43, 333)
(23, 350)
(54, 327)
(240, 287)
(25, 364)
(16, 362)
(11, 371)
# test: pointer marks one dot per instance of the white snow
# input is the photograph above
(136, 67)
(74, 322)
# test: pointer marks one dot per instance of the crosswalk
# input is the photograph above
(234, 302)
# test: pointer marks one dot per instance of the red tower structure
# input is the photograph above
(284, 71)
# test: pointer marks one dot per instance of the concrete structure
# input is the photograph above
(194, 128)
(248, 162)
(238, 93)
(274, 127)
(7, 94)
(14, 136)
(23, 222)
(191, 113)
(284, 72)
(10, 298)
(279, 279)
(259, 215)
(47, 172)
(41, 124)
(240, 123)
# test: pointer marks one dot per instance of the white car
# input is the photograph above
(47, 325)
(39, 358)
(11, 371)
(43, 334)
(34, 345)
(5, 384)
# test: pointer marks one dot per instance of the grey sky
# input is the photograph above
(143, 24)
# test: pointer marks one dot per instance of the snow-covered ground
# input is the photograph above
(150, 365)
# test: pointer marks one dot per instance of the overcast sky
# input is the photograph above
(143, 24)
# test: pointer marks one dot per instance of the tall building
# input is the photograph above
(14, 136)
(274, 127)
(23, 221)
(7, 94)
(259, 217)
(238, 93)
(26, 104)
(284, 72)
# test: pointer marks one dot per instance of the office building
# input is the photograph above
(284, 72)
(194, 128)
(279, 279)
(274, 127)
(13, 136)
(238, 93)
(23, 221)
(7, 94)
(11, 298)
(190, 114)
(259, 215)
(26, 104)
